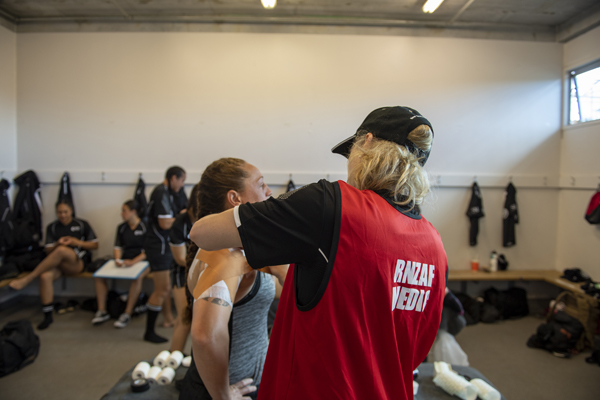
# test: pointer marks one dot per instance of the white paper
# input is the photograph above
(111, 270)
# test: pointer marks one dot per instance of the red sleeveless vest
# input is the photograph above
(378, 316)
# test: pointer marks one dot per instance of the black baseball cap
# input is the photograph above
(392, 124)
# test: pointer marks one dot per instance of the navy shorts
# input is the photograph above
(178, 278)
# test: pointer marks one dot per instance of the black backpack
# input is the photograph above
(559, 335)
(510, 303)
(19, 346)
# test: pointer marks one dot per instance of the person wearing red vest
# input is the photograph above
(363, 298)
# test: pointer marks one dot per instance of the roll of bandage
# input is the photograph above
(484, 390)
(455, 385)
(440, 367)
(166, 376)
(153, 374)
(161, 359)
(175, 359)
(187, 361)
(140, 371)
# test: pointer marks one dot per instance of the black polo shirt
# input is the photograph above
(180, 231)
(79, 229)
(130, 241)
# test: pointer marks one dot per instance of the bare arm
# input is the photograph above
(135, 260)
(74, 242)
(50, 248)
(216, 232)
(165, 223)
(117, 252)
(88, 245)
(210, 345)
(179, 253)
(278, 288)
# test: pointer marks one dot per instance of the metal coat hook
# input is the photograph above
(439, 180)
(328, 177)
(290, 177)
(103, 175)
(140, 176)
(475, 179)
(510, 179)
(1, 174)
(573, 181)
(545, 181)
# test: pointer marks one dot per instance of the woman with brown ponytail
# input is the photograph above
(229, 318)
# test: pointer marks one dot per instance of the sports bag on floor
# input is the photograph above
(19, 346)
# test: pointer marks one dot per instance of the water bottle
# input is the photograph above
(493, 261)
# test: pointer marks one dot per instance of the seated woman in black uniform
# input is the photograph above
(229, 320)
(68, 244)
(129, 242)
(179, 242)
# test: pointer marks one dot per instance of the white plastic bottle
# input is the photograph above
(493, 261)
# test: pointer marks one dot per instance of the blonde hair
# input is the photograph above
(386, 166)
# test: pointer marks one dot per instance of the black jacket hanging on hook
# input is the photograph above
(28, 205)
(6, 226)
(593, 211)
(65, 191)
(474, 212)
(140, 197)
(510, 216)
(290, 186)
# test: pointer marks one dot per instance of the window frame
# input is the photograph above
(571, 74)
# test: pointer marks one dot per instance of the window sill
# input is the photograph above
(581, 125)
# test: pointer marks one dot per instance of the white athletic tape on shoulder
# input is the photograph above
(218, 290)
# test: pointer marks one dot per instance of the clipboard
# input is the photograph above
(110, 270)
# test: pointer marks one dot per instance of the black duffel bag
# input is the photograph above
(19, 346)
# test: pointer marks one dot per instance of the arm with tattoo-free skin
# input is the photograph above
(74, 242)
(210, 345)
(216, 232)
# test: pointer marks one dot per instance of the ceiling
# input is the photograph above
(542, 20)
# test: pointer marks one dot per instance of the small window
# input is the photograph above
(585, 93)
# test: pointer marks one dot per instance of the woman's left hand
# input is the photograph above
(69, 241)
(128, 263)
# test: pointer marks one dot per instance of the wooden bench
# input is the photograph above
(463, 276)
(551, 276)
(5, 282)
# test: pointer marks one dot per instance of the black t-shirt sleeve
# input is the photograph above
(89, 232)
(50, 239)
(294, 228)
(161, 204)
(118, 239)
(177, 235)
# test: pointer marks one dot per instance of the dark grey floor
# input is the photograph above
(499, 352)
(76, 360)
(79, 361)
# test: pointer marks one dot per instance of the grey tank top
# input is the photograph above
(249, 339)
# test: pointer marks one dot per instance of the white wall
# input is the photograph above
(129, 102)
(578, 241)
(8, 101)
